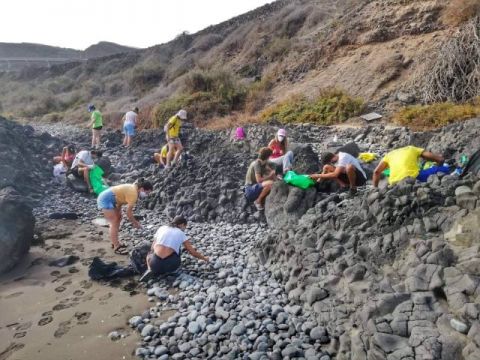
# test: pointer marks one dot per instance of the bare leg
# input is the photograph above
(352, 175)
(86, 177)
(179, 149)
(149, 258)
(267, 186)
(125, 140)
(113, 217)
(93, 138)
(170, 154)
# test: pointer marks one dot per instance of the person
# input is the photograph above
(403, 163)
(67, 156)
(280, 155)
(129, 125)
(259, 179)
(97, 124)
(342, 168)
(83, 163)
(172, 131)
(165, 255)
(111, 200)
(161, 157)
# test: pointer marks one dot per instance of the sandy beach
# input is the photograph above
(58, 312)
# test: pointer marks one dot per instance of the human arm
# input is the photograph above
(161, 161)
(331, 175)
(427, 155)
(131, 218)
(378, 172)
(260, 179)
(189, 247)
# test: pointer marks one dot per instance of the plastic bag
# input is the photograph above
(367, 157)
(96, 180)
(301, 181)
(59, 170)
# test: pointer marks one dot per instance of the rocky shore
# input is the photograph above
(388, 274)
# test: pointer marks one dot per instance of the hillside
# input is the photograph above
(379, 52)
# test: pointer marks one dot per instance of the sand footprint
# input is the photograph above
(73, 270)
(82, 317)
(5, 354)
(45, 320)
(14, 295)
(19, 335)
(86, 284)
(63, 328)
(78, 292)
(60, 289)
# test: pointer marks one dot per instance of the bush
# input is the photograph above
(425, 117)
(278, 48)
(331, 107)
(257, 95)
(145, 77)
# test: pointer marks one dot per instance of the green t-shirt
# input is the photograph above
(97, 119)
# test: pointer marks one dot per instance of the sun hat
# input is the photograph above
(182, 114)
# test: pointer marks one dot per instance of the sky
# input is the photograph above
(139, 23)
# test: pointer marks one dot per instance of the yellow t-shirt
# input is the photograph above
(403, 163)
(164, 151)
(125, 194)
(173, 127)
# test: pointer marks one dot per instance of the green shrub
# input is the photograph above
(331, 107)
(424, 117)
(144, 78)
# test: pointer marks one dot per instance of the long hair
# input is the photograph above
(177, 221)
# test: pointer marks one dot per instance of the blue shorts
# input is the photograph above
(106, 200)
(129, 129)
(425, 174)
(252, 192)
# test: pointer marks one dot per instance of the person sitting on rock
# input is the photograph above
(111, 200)
(161, 157)
(172, 131)
(129, 124)
(259, 178)
(280, 155)
(67, 157)
(403, 163)
(83, 162)
(342, 168)
(165, 255)
(96, 123)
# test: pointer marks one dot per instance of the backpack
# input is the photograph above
(138, 257)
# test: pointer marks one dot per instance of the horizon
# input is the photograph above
(158, 25)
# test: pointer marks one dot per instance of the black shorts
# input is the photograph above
(360, 180)
(161, 266)
(98, 128)
(75, 172)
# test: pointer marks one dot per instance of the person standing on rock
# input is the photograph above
(165, 255)
(172, 131)
(342, 168)
(111, 200)
(129, 125)
(403, 163)
(83, 163)
(96, 124)
(280, 155)
(259, 179)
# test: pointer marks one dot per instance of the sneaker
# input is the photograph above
(259, 206)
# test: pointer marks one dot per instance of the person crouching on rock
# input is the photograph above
(83, 163)
(165, 256)
(172, 131)
(344, 169)
(161, 157)
(67, 157)
(403, 163)
(280, 155)
(259, 178)
(111, 200)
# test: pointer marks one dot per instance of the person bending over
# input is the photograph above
(111, 200)
(403, 163)
(172, 131)
(259, 178)
(165, 255)
(280, 155)
(161, 157)
(83, 163)
(342, 168)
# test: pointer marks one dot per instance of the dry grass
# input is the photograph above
(426, 117)
(460, 11)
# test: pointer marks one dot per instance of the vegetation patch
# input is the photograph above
(425, 117)
(331, 107)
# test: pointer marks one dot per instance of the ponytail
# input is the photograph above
(144, 184)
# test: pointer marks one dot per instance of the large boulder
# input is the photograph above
(305, 159)
(16, 228)
(286, 204)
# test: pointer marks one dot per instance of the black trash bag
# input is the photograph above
(138, 257)
(99, 270)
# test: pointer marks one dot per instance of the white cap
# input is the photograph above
(182, 114)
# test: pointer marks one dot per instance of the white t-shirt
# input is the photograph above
(130, 118)
(345, 159)
(171, 237)
(83, 155)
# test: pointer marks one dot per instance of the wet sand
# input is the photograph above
(58, 312)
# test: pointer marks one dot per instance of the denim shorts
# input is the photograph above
(168, 265)
(129, 129)
(252, 192)
(106, 200)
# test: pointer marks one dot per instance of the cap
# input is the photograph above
(281, 132)
(182, 114)
(91, 107)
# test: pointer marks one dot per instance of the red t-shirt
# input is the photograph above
(277, 149)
